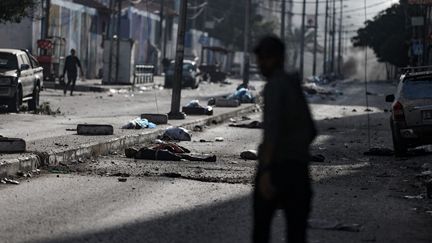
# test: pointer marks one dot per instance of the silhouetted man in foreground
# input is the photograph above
(71, 67)
(282, 179)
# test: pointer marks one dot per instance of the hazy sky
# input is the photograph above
(353, 12)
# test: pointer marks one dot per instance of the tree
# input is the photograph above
(15, 11)
(228, 17)
(387, 35)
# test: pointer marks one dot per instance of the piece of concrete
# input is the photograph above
(222, 102)
(95, 129)
(157, 119)
(12, 145)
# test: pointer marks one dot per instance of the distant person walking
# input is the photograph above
(282, 179)
(71, 64)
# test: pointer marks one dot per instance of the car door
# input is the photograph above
(26, 75)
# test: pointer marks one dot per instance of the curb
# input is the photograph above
(96, 89)
(32, 160)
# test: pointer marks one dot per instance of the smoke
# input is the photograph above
(354, 66)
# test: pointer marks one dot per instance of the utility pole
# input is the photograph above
(325, 37)
(119, 6)
(246, 44)
(161, 19)
(175, 112)
(111, 44)
(315, 38)
(302, 40)
(47, 18)
(283, 14)
(340, 40)
(333, 32)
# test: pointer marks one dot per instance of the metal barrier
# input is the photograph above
(143, 74)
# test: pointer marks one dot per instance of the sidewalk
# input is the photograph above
(95, 85)
(50, 140)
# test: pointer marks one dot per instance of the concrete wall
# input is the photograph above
(16, 35)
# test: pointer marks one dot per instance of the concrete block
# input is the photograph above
(12, 145)
(157, 119)
(95, 129)
(222, 102)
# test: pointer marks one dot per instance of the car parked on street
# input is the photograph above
(21, 79)
(190, 75)
(411, 118)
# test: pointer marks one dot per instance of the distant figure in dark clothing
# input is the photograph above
(282, 179)
(71, 64)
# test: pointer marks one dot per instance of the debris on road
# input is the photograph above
(9, 181)
(167, 152)
(318, 158)
(12, 145)
(334, 225)
(198, 128)
(122, 179)
(176, 134)
(139, 123)
(414, 197)
(249, 155)
(95, 129)
(194, 108)
(219, 139)
(45, 109)
(223, 102)
(252, 125)
(243, 95)
(379, 152)
(158, 119)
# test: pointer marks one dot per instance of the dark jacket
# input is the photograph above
(71, 64)
(288, 124)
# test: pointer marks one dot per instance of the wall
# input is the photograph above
(16, 36)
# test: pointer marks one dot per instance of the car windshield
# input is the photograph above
(417, 89)
(8, 61)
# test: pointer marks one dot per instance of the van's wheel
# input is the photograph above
(399, 146)
(15, 103)
(34, 102)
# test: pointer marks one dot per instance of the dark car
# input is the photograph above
(411, 119)
(190, 75)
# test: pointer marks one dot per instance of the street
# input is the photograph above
(163, 201)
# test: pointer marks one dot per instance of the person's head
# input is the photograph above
(72, 52)
(270, 53)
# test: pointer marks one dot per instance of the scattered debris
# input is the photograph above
(120, 174)
(198, 128)
(95, 129)
(243, 95)
(71, 129)
(249, 155)
(45, 109)
(158, 119)
(171, 175)
(177, 134)
(122, 179)
(219, 139)
(334, 225)
(10, 181)
(414, 197)
(379, 152)
(318, 158)
(194, 108)
(252, 125)
(12, 145)
(139, 123)
(354, 110)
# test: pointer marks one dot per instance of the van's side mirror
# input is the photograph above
(24, 67)
(390, 98)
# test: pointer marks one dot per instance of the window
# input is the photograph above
(8, 61)
(419, 89)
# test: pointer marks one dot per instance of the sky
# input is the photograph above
(353, 12)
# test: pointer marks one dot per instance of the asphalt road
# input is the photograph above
(211, 202)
